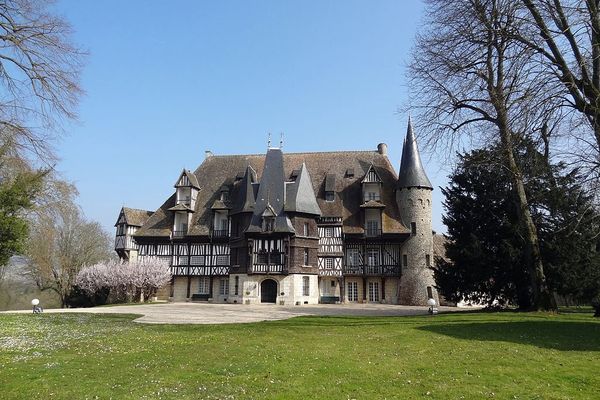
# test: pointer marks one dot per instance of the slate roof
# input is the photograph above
(218, 170)
(135, 217)
(411, 172)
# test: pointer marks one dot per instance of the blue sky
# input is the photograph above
(166, 81)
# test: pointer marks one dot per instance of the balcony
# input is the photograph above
(383, 270)
(372, 232)
(220, 233)
(178, 234)
(267, 269)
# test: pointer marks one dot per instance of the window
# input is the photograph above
(305, 286)
(352, 291)
(204, 285)
(429, 292)
(237, 285)
(329, 263)
(306, 231)
(224, 286)
(197, 260)
(374, 291)
(329, 196)
(372, 196)
(262, 257)
(413, 228)
(224, 195)
(120, 229)
(428, 260)
(328, 231)
(405, 260)
(372, 257)
(222, 260)
(352, 257)
(275, 258)
(224, 225)
(372, 228)
(305, 257)
(268, 224)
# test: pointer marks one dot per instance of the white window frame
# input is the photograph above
(204, 285)
(224, 286)
(352, 291)
(329, 263)
(373, 257)
(374, 292)
(353, 257)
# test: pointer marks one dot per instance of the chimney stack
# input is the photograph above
(382, 149)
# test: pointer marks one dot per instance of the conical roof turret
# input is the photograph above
(411, 172)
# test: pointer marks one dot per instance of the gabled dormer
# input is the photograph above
(268, 218)
(181, 220)
(330, 187)
(371, 185)
(220, 209)
(372, 205)
(187, 189)
(130, 219)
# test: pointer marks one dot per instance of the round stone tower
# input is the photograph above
(413, 195)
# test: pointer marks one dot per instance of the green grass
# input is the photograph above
(452, 356)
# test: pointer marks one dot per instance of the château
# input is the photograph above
(293, 228)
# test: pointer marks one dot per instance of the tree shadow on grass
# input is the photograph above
(557, 335)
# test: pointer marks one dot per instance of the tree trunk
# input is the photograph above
(542, 298)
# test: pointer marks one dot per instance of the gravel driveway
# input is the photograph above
(203, 313)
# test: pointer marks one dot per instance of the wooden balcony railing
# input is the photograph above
(267, 269)
(179, 234)
(220, 233)
(385, 270)
(372, 232)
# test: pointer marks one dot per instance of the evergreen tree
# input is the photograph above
(17, 192)
(487, 247)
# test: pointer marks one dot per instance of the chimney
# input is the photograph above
(382, 149)
(208, 153)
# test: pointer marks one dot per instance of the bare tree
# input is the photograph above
(39, 76)
(61, 242)
(472, 82)
(566, 33)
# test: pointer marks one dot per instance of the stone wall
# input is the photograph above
(415, 207)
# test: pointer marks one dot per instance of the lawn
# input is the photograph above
(453, 356)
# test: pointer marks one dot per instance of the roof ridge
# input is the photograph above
(297, 152)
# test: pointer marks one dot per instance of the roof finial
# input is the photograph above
(281, 140)
(269, 142)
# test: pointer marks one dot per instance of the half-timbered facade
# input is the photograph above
(295, 228)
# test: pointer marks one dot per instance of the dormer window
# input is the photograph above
(371, 186)
(224, 194)
(186, 189)
(268, 224)
(268, 217)
(330, 187)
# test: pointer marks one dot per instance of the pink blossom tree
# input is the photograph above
(125, 280)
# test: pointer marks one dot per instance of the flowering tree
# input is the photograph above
(125, 280)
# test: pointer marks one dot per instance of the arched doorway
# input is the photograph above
(268, 291)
